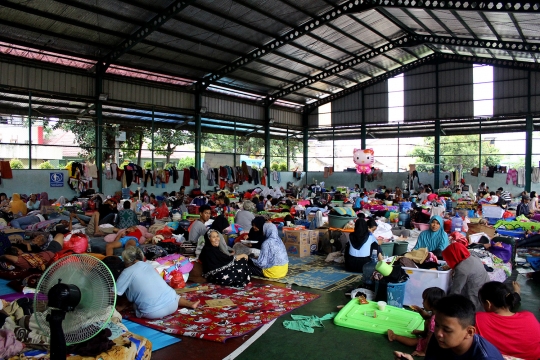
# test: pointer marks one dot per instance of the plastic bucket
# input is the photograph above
(384, 268)
(387, 248)
(396, 294)
(400, 247)
(471, 213)
(339, 221)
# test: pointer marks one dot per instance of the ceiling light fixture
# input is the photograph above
(103, 97)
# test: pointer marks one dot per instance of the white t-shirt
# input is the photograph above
(145, 288)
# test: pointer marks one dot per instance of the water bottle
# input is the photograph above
(457, 223)
(369, 268)
(139, 206)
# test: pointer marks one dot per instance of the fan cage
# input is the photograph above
(98, 296)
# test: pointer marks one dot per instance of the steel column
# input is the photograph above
(528, 138)
(363, 133)
(437, 142)
(305, 135)
(198, 130)
(99, 125)
(153, 130)
(29, 130)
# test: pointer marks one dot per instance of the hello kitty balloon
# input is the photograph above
(364, 159)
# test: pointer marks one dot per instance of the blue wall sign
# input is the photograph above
(57, 179)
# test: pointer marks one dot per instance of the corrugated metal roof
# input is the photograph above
(264, 46)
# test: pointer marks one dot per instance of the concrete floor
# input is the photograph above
(330, 342)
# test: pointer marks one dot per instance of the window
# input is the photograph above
(325, 115)
(483, 90)
(396, 102)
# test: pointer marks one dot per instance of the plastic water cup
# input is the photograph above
(381, 305)
(288, 223)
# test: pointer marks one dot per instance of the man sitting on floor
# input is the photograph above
(455, 334)
(20, 260)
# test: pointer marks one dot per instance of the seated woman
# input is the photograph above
(273, 261)
(221, 269)
(24, 261)
(361, 244)
(152, 298)
(469, 274)
(125, 238)
(33, 203)
(434, 239)
(515, 334)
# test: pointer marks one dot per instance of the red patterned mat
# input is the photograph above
(255, 305)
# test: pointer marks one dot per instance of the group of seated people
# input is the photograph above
(456, 329)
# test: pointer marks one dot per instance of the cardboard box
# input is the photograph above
(313, 241)
(296, 227)
(297, 242)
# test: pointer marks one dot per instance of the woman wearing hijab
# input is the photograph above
(434, 239)
(361, 244)
(256, 232)
(17, 206)
(221, 269)
(44, 199)
(469, 274)
(273, 261)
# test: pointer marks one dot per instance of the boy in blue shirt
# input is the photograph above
(455, 336)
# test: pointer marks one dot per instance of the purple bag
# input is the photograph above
(504, 252)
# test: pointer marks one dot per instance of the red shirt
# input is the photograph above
(517, 335)
(432, 197)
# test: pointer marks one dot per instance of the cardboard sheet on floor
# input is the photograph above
(360, 317)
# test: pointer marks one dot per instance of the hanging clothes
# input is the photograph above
(512, 177)
(535, 176)
(521, 177)
(187, 178)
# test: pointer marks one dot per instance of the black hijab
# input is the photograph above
(211, 257)
(259, 222)
(220, 223)
(360, 234)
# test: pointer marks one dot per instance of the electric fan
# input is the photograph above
(75, 299)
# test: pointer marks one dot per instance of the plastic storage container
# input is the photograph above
(339, 221)
(520, 234)
(387, 248)
(420, 280)
(400, 247)
(404, 220)
(492, 211)
(396, 293)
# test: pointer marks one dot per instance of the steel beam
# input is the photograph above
(385, 76)
(401, 42)
(290, 36)
(155, 23)
(478, 43)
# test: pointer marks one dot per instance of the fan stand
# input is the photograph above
(58, 340)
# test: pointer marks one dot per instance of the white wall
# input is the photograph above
(28, 181)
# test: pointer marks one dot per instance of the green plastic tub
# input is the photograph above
(339, 221)
(361, 317)
(387, 248)
(400, 247)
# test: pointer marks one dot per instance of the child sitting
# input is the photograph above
(430, 296)
(455, 335)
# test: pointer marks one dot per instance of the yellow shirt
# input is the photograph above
(276, 272)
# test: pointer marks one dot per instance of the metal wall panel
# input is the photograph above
(509, 91)
(535, 91)
(419, 93)
(142, 94)
(286, 117)
(313, 118)
(376, 103)
(33, 78)
(347, 110)
(232, 108)
(455, 90)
